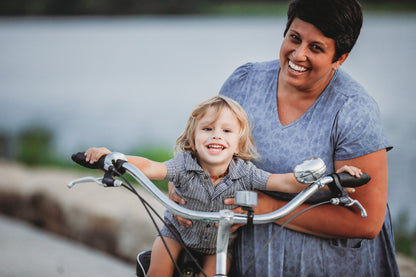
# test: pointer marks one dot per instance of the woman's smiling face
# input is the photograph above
(306, 58)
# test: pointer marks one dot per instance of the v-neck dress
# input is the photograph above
(343, 123)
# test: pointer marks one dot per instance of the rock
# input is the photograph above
(110, 219)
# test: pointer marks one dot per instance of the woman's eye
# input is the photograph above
(316, 48)
(295, 37)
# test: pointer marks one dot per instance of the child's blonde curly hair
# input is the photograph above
(247, 149)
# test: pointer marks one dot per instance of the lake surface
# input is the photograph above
(129, 81)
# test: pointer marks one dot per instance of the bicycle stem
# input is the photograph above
(225, 223)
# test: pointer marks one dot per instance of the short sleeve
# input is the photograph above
(359, 130)
(234, 84)
(175, 167)
(257, 178)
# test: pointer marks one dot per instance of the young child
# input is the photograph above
(212, 162)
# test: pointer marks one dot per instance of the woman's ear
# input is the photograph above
(340, 61)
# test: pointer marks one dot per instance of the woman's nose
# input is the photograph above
(300, 53)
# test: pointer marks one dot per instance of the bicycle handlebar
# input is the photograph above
(113, 159)
(79, 158)
(349, 181)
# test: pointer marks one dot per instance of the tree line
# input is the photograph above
(132, 7)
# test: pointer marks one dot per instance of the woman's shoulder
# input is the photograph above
(245, 69)
(249, 75)
(265, 66)
(349, 95)
(346, 86)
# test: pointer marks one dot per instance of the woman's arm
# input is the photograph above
(340, 222)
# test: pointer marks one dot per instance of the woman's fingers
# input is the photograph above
(183, 221)
(173, 195)
(177, 199)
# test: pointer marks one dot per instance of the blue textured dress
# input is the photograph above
(343, 123)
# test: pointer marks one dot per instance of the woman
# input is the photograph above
(303, 106)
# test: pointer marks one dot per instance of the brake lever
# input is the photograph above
(102, 181)
(348, 202)
(87, 179)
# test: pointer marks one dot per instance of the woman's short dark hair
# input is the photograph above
(340, 20)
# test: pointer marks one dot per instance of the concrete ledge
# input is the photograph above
(110, 219)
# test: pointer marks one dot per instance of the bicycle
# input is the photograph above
(310, 172)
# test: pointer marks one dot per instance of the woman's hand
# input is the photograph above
(239, 210)
(177, 199)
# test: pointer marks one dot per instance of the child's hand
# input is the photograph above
(352, 170)
(92, 155)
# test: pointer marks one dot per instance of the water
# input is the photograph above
(130, 81)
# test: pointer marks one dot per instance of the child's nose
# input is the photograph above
(216, 135)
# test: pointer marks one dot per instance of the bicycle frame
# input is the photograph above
(224, 218)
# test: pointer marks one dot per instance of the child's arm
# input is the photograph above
(153, 170)
(288, 183)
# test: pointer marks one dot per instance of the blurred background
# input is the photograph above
(125, 74)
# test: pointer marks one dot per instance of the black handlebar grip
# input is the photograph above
(79, 158)
(349, 181)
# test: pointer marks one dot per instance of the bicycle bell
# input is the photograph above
(246, 198)
(310, 170)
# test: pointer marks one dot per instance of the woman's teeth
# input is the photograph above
(296, 67)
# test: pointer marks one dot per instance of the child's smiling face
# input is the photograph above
(217, 139)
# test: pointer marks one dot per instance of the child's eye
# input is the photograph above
(207, 129)
(227, 131)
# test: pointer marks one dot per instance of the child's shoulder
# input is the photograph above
(241, 167)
